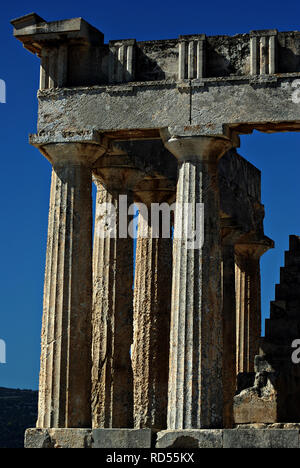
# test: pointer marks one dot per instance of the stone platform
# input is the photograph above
(276, 437)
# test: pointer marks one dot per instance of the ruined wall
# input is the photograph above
(157, 60)
(240, 193)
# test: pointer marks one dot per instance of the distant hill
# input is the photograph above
(18, 411)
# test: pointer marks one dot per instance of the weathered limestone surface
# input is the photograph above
(257, 403)
(66, 332)
(269, 426)
(112, 380)
(241, 107)
(196, 339)
(216, 56)
(122, 438)
(58, 438)
(246, 437)
(229, 331)
(240, 197)
(229, 438)
(252, 438)
(190, 439)
(37, 438)
(116, 173)
(227, 88)
(87, 438)
(152, 310)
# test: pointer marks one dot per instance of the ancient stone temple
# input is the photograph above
(165, 350)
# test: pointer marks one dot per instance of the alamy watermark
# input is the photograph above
(2, 92)
(189, 225)
(296, 92)
(2, 352)
(296, 353)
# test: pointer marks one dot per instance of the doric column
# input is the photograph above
(196, 339)
(229, 237)
(248, 311)
(229, 336)
(112, 380)
(248, 301)
(65, 381)
(112, 319)
(152, 309)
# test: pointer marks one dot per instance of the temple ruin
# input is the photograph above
(178, 359)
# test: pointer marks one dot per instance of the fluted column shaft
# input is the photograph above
(255, 306)
(112, 381)
(65, 382)
(196, 338)
(248, 294)
(152, 308)
(229, 333)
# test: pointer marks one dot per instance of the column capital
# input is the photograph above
(254, 248)
(198, 148)
(155, 190)
(75, 148)
(118, 171)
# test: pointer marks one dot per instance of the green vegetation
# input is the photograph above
(18, 411)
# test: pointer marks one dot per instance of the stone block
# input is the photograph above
(70, 438)
(260, 438)
(197, 438)
(58, 438)
(122, 438)
(252, 407)
(247, 436)
(37, 438)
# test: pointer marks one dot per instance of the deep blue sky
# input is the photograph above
(24, 190)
